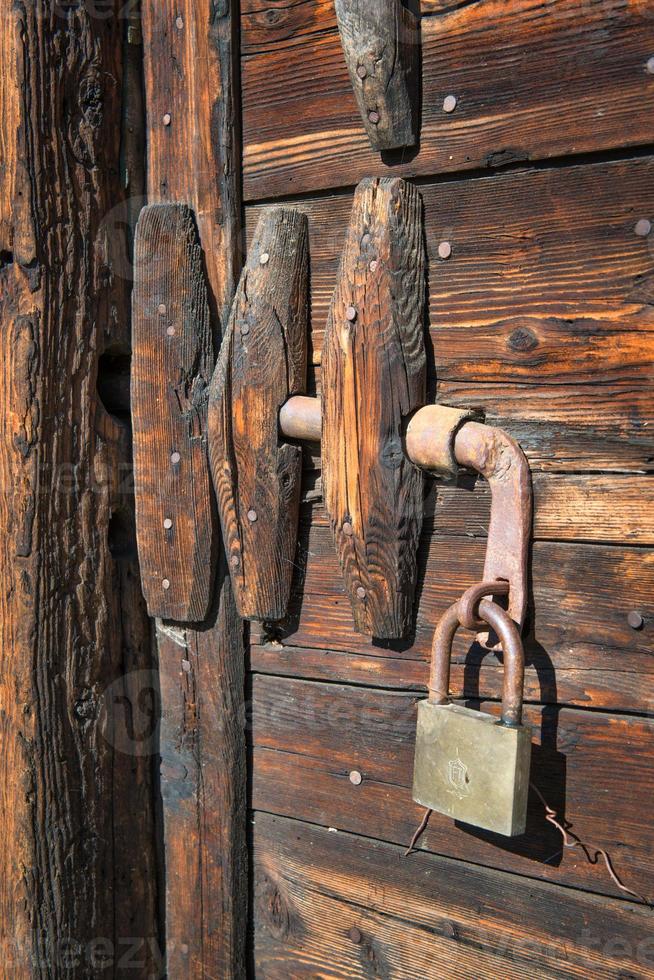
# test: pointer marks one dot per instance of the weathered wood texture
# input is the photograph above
(193, 155)
(374, 376)
(530, 82)
(309, 736)
(263, 361)
(381, 46)
(172, 365)
(77, 874)
(354, 907)
(547, 280)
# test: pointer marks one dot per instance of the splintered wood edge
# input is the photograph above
(257, 474)
(373, 377)
(381, 45)
(172, 363)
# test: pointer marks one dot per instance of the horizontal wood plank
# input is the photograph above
(547, 281)
(339, 905)
(309, 736)
(302, 129)
(581, 597)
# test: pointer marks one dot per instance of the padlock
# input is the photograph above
(471, 765)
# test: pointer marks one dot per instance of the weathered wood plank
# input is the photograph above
(547, 280)
(381, 45)
(73, 635)
(308, 737)
(567, 507)
(575, 621)
(302, 130)
(263, 361)
(374, 377)
(193, 155)
(172, 364)
(608, 690)
(356, 905)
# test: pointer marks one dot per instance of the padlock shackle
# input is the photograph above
(514, 658)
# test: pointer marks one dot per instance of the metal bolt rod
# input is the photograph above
(483, 448)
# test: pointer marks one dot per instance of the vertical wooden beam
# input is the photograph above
(191, 70)
(74, 885)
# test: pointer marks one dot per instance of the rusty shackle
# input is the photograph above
(471, 612)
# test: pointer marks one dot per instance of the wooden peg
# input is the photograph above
(381, 44)
(373, 377)
(262, 362)
(172, 363)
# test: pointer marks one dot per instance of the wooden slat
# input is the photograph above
(76, 810)
(610, 690)
(172, 364)
(593, 91)
(576, 621)
(374, 377)
(567, 507)
(190, 68)
(308, 737)
(263, 362)
(361, 908)
(547, 281)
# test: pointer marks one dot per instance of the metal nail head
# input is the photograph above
(635, 620)
(362, 71)
(168, 523)
(373, 265)
(643, 227)
(170, 331)
(449, 103)
(234, 561)
(264, 258)
(348, 529)
(351, 314)
(162, 309)
(361, 592)
(355, 935)
(252, 516)
(179, 23)
(649, 65)
(167, 119)
(355, 777)
(175, 457)
(165, 584)
(444, 250)
(374, 117)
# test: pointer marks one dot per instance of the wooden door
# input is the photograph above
(541, 180)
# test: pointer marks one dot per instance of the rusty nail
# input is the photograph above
(444, 250)
(167, 119)
(175, 457)
(373, 265)
(264, 258)
(650, 65)
(186, 666)
(373, 117)
(234, 561)
(355, 777)
(351, 314)
(165, 584)
(635, 620)
(643, 227)
(162, 309)
(361, 592)
(168, 523)
(355, 935)
(252, 516)
(362, 71)
(348, 529)
(449, 103)
(179, 23)
(170, 331)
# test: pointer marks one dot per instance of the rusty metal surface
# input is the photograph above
(430, 438)
(301, 418)
(472, 608)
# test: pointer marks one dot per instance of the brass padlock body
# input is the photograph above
(470, 766)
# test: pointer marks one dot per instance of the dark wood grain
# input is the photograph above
(381, 45)
(531, 83)
(172, 364)
(308, 737)
(547, 280)
(191, 73)
(263, 361)
(365, 909)
(77, 827)
(581, 597)
(373, 378)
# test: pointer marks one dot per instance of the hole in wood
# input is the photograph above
(113, 383)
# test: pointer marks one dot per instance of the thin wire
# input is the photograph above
(592, 854)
